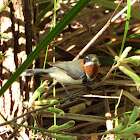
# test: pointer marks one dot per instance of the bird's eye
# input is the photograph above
(86, 59)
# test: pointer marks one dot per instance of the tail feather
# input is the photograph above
(31, 72)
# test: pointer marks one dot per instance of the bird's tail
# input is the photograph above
(31, 72)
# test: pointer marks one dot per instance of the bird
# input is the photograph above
(80, 71)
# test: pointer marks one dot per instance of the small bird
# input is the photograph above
(81, 71)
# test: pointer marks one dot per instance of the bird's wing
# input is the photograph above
(73, 68)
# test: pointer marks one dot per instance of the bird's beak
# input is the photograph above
(95, 60)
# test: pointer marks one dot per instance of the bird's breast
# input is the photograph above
(92, 70)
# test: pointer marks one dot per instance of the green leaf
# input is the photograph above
(125, 53)
(132, 138)
(1, 57)
(122, 125)
(126, 26)
(52, 110)
(63, 126)
(37, 92)
(134, 115)
(131, 74)
(4, 35)
(129, 129)
(4, 6)
(44, 102)
(136, 129)
(135, 60)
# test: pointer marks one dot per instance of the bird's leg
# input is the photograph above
(69, 94)
(65, 89)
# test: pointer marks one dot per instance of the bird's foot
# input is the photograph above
(71, 96)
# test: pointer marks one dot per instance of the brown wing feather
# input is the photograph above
(73, 68)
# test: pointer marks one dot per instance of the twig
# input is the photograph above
(118, 101)
(122, 11)
(32, 111)
(48, 89)
(15, 131)
(99, 96)
(98, 34)
(106, 77)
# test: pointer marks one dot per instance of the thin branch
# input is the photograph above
(119, 101)
(99, 96)
(98, 34)
(32, 111)
(122, 11)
